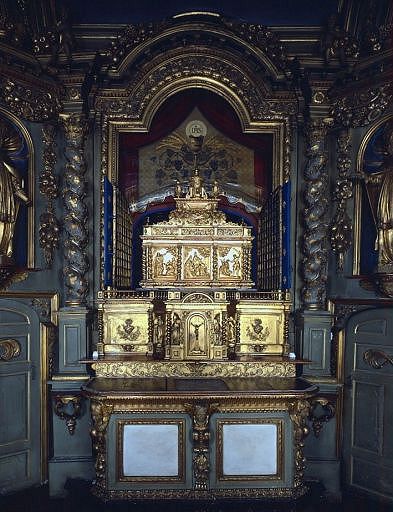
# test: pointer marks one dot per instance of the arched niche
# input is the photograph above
(370, 166)
(241, 65)
(23, 161)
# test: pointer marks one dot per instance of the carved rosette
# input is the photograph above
(299, 412)
(314, 264)
(100, 414)
(361, 108)
(341, 226)
(49, 225)
(76, 213)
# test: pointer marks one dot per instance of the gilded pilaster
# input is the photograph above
(341, 226)
(76, 238)
(315, 217)
(299, 413)
(100, 414)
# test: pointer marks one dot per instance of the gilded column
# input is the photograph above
(314, 262)
(76, 263)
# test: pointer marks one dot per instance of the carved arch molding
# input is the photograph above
(240, 62)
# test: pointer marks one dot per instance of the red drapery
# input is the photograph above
(172, 113)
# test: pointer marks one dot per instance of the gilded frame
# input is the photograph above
(130, 105)
(279, 475)
(181, 476)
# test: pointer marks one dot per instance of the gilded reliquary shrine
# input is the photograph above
(196, 249)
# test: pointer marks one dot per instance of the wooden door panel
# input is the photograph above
(368, 443)
(20, 442)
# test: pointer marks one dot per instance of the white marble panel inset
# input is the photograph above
(151, 450)
(249, 449)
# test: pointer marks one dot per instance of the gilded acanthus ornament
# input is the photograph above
(28, 103)
(12, 193)
(200, 413)
(341, 226)
(299, 412)
(338, 43)
(360, 108)
(76, 213)
(261, 37)
(49, 230)
(100, 413)
(314, 263)
(257, 35)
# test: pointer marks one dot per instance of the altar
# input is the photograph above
(195, 393)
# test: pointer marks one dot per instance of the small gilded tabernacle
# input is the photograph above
(197, 247)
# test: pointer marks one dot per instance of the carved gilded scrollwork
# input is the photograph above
(254, 35)
(49, 225)
(200, 413)
(338, 43)
(315, 221)
(208, 67)
(321, 411)
(360, 108)
(100, 413)
(68, 408)
(76, 213)
(377, 358)
(9, 349)
(341, 226)
(29, 103)
(299, 412)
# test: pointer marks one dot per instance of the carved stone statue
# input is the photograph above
(11, 190)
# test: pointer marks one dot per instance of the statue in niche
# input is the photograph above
(176, 330)
(159, 331)
(383, 207)
(158, 264)
(231, 331)
(385, 204)
(197, 335)
(217, 330)
(11, 191)
(158, 336)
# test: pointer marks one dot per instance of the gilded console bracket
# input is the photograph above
(321, 411)
(68, 408)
